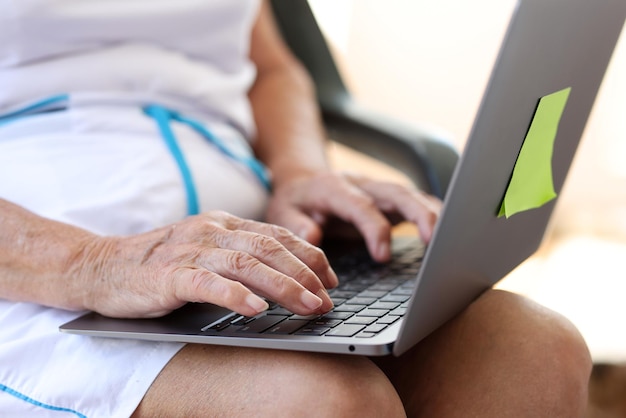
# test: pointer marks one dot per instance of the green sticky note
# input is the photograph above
(531, 184)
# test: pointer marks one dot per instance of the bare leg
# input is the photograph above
(503, 356)
(212, 381)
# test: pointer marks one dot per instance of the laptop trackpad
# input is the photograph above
(189, 319)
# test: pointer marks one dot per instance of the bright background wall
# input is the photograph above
(427, 62)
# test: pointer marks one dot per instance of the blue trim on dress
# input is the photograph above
(21, 396)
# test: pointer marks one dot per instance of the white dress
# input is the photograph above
(102, 164)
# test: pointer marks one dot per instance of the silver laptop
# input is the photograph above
(501, 196)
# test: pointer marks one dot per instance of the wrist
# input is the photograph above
(90, 272)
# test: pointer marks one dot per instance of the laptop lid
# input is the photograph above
(551, 47)
(547, 75)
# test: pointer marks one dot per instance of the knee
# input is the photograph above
(543, 341)
(343, 387)
(502, 356)
(542, 330)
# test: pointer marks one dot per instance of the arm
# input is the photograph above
(290, 140)
(39, 258)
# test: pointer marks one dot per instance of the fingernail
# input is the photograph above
(256, 303)
(310, 300)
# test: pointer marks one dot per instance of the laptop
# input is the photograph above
(496, 211)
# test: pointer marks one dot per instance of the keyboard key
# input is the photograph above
(384, 305)
(365, 335)
(345, 330)
(372, 293)
(356, 287)
(365, 281)
(219, 326)
(387, 320)
(402, 291)
(383, 286)
(279, 311)
(361, 320)
(327, 322)
(398, 312)
(312, 330)
(338, 315)
(409, 284)
(349, 308)
(357, 300)
(395, 298)
(241, 320)
(373, 312)
(261, 324)
(307, 317)
(287, 327)
(336, 293)
(375, 328)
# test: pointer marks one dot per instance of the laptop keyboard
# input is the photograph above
(370, 297)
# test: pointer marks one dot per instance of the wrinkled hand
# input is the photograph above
(214, 257)
(306, 204)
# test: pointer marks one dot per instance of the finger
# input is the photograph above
(413, 205)
(201, 285)
(354, 206)
(266, 281)
(271, 252)
(310, 255)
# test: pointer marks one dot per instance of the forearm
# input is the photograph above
(290, 138)
(39, 259)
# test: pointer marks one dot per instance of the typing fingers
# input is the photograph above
(413, 205)
(335, 195)
(274, 245)
(257, 258)
(232, 278)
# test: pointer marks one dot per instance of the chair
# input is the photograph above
(427, 159)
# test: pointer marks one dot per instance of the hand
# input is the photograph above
(304, 205)
(213, 257)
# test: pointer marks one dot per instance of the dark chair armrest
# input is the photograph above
(426, 157)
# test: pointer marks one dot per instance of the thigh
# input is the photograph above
(205, 380)
(503, 356)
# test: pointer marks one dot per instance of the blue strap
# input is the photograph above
(49, 104)
(255, 165)
(163, 116)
